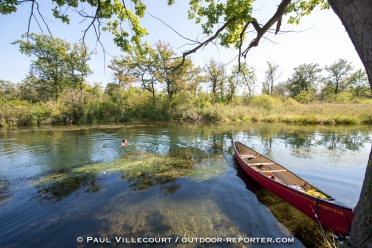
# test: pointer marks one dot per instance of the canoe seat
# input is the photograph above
(252, 164)
(274, 170)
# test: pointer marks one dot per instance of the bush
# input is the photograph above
(265, 101)
(292, 102)
(343, 97)
(306, 96)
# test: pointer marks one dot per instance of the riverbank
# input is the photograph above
(23, 113)
(326, 114)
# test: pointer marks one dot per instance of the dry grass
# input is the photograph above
(327, 114)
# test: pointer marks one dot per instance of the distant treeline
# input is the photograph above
(149, 84)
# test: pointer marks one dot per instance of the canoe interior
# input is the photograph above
(276, 172)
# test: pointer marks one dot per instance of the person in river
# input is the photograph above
(124, 142)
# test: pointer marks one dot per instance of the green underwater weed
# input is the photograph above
(142, 169)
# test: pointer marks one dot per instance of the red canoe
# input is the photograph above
(331, 214)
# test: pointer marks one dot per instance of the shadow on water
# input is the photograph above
(295, 221)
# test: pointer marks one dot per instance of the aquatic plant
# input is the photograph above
(142, 169)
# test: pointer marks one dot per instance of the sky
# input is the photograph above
(319, 38)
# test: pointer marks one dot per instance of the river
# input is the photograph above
(174, 184)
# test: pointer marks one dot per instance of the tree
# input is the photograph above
(243, 77)
(338, 75)
(124, 74)
(304, 78)
(236, 16)
(57, 64)
(271, 75)
(123, 70)
(175, 78)
(197, 77)
(359, 83)
(216, 73)
(77, 64)
(8, 90)
(281, 89)
(49, 67)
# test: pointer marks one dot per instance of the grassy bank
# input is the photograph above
(327, 114)
(138, 106)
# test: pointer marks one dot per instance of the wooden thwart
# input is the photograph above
(259, 163)
(273, 170)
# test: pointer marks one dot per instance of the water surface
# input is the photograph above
(173, 180)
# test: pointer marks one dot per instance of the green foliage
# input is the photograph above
(8, 90)
(115, 12)
(343, 97)
(57, 65)
(181, 105)
(209, 14)
(291, 102)
(359, 85)
(266, 102)
(338, 77)
(149, 85)
(8, 6)
(302, 8)
(271, 75)
(306, 96)
(212, 11)
(244, 78)
(304, 78)
(217, 78)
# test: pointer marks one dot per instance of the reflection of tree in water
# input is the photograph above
(170, 187)
(145, 181)
(301, 142)
(210, 146)
(353, 141)
(62, 185)
(4, 188)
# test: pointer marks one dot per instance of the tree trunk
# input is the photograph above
(356, 16)
(361, 228)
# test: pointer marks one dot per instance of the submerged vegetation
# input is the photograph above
(142, 170)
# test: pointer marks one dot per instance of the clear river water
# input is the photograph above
(175, 184)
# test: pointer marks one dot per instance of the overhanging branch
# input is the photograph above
(262, 30)
(204, 43)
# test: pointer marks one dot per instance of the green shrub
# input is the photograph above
(265, 101)
(343, 97)
(306, 97)
(292, 102)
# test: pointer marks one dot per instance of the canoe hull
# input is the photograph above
(329, 214)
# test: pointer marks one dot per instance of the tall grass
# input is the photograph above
(138, 106)
(327, 114)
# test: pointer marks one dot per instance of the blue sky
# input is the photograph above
(324, 42)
